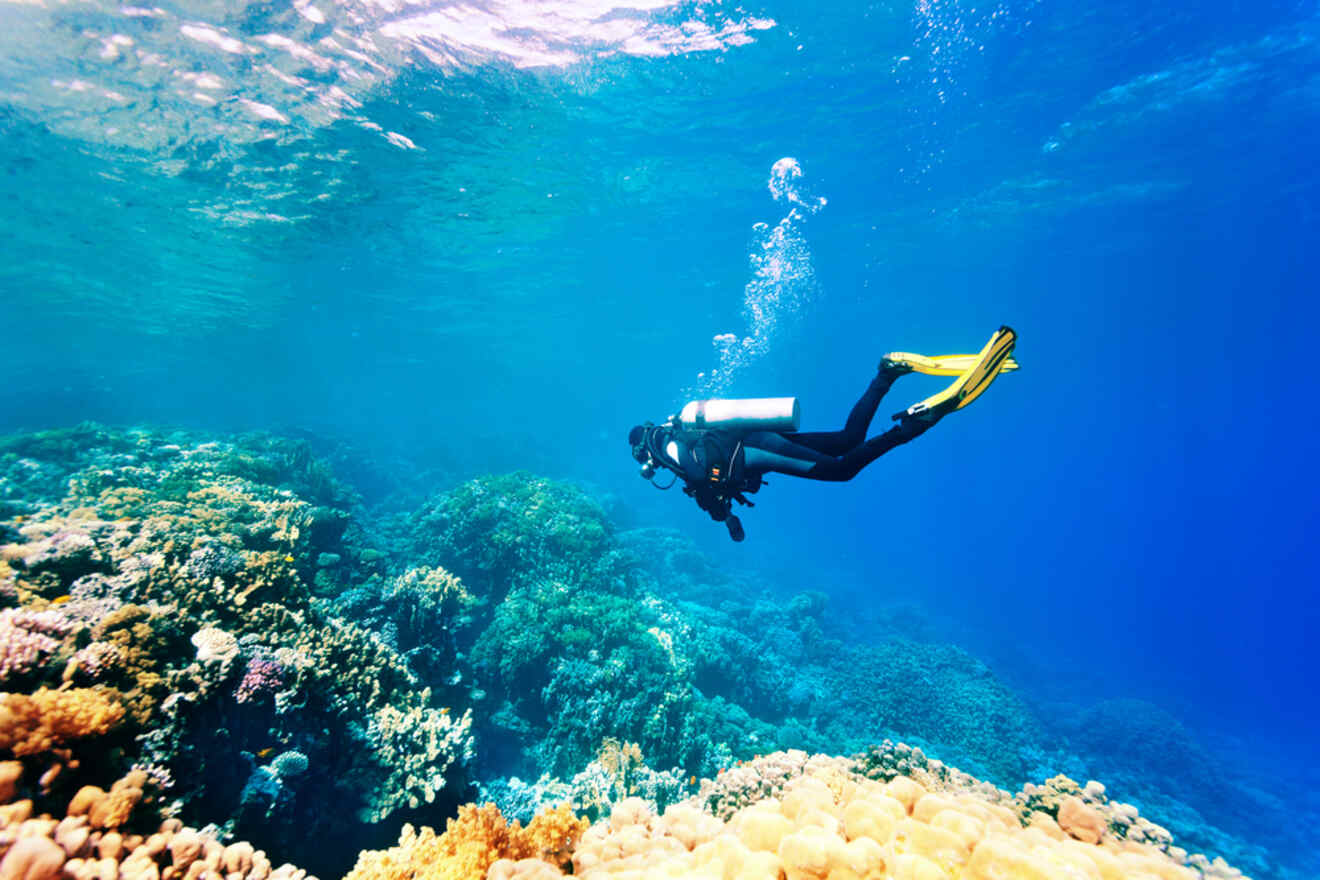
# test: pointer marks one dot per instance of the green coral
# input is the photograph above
(938, 693)
(496, 530)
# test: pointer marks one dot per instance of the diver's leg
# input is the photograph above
(778, 454)
(765, 452)
(863, 411)
(846, 466)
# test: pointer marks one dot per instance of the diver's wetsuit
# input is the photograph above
(832, 455)
(835, 456)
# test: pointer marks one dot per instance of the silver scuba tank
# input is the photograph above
(748, 414)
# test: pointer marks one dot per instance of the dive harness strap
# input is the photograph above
(721, 486)
(978, 372)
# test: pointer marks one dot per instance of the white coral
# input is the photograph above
(214, 645)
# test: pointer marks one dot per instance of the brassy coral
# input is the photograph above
(473, 841)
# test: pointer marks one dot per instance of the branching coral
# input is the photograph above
(136, 644)
(472, 842)
(581, 662)
(764, 777)
(416, 747)
(423, 595)
(619, 772)
(419, 613)
(25, 640)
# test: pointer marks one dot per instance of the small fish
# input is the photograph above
(60, 600)
(692, 781)
(266, 752)
(288, 558)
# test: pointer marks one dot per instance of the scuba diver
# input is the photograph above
(722, 449)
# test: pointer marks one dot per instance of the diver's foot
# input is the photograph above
(925, 416)
(894, 365)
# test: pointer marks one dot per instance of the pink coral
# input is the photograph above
(263, 676)
(26, 637)
(49, 622)
(97, 658)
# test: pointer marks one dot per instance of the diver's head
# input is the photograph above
(639, 440)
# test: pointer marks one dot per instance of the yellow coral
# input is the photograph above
(46, 720)
(550, 836)
(473, 841)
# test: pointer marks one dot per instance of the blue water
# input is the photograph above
(478, 244)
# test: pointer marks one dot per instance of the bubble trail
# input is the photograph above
(782, 284)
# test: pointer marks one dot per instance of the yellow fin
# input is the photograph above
(972, 382)
(943, 364)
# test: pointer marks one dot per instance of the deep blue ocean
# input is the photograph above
(471, 238)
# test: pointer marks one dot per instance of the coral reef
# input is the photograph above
(808, 817)
(219, 625)
(578, 639)
(181, 580)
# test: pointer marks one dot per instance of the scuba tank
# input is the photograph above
(746, 415)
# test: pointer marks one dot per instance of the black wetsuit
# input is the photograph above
(835, 456)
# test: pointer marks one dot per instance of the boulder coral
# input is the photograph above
(97, 839)
(829, 825)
